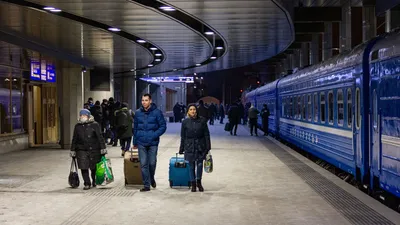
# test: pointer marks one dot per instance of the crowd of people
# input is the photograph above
(110, 121)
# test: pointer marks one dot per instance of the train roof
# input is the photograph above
(267, 87)
(341, 61)
(389, 46)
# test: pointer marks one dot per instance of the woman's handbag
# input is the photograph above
(73, 178)
(208, 164)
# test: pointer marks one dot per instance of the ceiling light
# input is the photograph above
(213, 57)
(167, 8)
(49, 8)
(150, 65)
(209, 33)
(174, 69)
(55, 10)
(220, 47)
(158, 60)
(198, 64)
(114, 29)
(153, 48)
(132, 70)
(195, 74)
(141, 41)
(158, 54)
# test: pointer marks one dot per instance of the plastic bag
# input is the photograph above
(208, 164)
(104, 174)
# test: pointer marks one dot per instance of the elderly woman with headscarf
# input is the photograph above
(195, 144)
(88, 146)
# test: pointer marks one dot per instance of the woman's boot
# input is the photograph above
(193, 186)
(201, 189)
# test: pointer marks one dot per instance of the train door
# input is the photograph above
(357, 146)
(375, 129)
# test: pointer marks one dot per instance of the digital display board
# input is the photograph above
(168, 79)
(35, 70)
(40, 71)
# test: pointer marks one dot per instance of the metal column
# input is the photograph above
(369, 22)
(327, 48)
(315, 48)
(345, 26)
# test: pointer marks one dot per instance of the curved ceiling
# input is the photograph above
(254, 30)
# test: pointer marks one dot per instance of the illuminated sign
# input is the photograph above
(35, 70)
(168, 79)
(40, 71)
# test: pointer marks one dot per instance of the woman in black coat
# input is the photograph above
(87, 146)
(195, 144)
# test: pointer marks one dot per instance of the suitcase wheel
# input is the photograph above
(170, 183)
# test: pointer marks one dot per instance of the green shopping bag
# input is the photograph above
(104, 174)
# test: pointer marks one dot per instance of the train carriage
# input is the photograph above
(385, 114)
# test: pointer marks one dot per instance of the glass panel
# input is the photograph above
(299, 105)
(309, 108)
(316, 111)
(358, 108)
(303, 101)
(375, 106)
(16, 102)
(340, 107)
(322, 107)
(330, 107)
(5, 100)
(349, 108)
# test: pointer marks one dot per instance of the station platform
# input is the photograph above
(256, 180)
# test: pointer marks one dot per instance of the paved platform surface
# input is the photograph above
(256, 180)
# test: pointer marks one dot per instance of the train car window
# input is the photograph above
(316, 111)
(349, 108)
(340, 107)
(375, 109)
(358, 108)
(330, 107)
(322, 103)
(299, 103)
(309, 107)
(304, 107)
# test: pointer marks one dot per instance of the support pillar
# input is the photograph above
(315, 48)
(304, 54)
(345, 26)
(327, 48)
(70, 97)
(369, 22)
(392, 19)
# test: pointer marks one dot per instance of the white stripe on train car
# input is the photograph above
(390, 140)
(330, 130)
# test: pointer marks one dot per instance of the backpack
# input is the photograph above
(122, 120)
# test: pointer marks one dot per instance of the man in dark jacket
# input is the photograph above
(265, 115)
(203, 111)
(124, 119)
(149, 125)
(88, 146)
(253, 117)
(234, 117)
(97, 112)
(177, 112)
(106, 114)
(212, 110)
(221, 113)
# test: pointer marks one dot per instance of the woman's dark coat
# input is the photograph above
(195, 139)
(88, 142)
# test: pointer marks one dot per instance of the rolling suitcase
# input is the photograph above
(132, 171)
(179, 172)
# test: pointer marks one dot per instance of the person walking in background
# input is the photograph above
(97, 113)
(195, 144)
(105, 122)
(253, 117)
(221, 111)
(124, 119)
(203, 111)
(234, 117)
(149, 125)
(87, 146)
(265, 115)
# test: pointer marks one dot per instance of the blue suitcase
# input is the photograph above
(179, 172)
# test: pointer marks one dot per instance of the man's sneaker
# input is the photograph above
(145, 189)
(153, 184)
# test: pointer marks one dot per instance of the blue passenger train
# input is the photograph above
(345, 111)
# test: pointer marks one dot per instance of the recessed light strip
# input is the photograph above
(117, 31)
